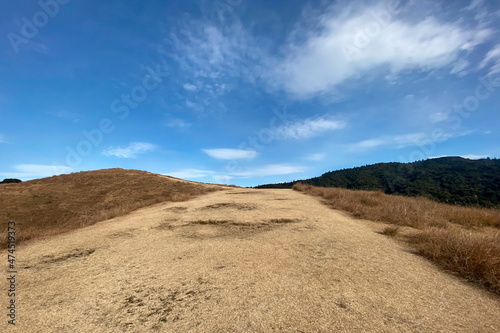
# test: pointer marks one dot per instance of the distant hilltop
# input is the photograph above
(453, 180)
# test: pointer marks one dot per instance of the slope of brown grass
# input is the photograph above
(473, 255)
(405, 211)
(289, 265)
(58, 204)
(464, 240)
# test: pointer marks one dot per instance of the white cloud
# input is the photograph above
(190, 87)
(316, 157)
(177, 123)
(190, 173)
(231, 154)
(30, 171)
(208, 52)
(459, 67)
(438, 117)
(71, 116)
(2, 140)
(340, 48)
(493, 56)
(404, 140)
(308, 128)
(271, 170)
(348, 40)
(367, 144)
(130, 151)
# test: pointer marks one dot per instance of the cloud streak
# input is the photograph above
(231, 154)
(308, 128)
(404, 140)
(130, 151)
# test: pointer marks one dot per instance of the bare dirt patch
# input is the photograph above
(231, 205)
(123, 234)
(177, 209)
(52, 259)
(158, 306)
(211, 228)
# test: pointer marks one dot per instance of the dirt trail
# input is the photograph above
(240, 260)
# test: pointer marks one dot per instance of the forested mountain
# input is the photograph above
(452, 180)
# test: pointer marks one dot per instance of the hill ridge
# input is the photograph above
(453, 180)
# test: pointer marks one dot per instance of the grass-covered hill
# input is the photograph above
(452, 180)
(49, 206)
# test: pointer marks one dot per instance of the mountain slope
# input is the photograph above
(453, 180)
(57, 204)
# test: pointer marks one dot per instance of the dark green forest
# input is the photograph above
(452, 180)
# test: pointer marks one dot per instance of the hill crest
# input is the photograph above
(453, 180)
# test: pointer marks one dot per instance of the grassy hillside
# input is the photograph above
(57, 204)
(451, 180)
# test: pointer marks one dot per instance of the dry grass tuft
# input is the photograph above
(459, 239)
(391, 231)
(283, 220)
(58, 204)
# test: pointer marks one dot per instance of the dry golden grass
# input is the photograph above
(391, 231)
(290, 265)
(53, 205)
(413, 212)
(473, 255)
(460, 239)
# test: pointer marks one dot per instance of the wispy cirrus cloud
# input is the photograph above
(130, 151)
(404, 140)
(231, 154)
(212, 57)
(492, 58)
(71, 116)
(190, 87)
(328, 47)
(308, 128)
(176, 122)
(316, 157)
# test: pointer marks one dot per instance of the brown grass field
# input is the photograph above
(207, 258)
(58, 204)
(239, 260)
(462, 240)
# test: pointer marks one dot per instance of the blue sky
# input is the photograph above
(245, 92)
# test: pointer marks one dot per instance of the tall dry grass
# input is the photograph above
(54, 205)
(464, 240)
(405, 211)
(474, 256)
